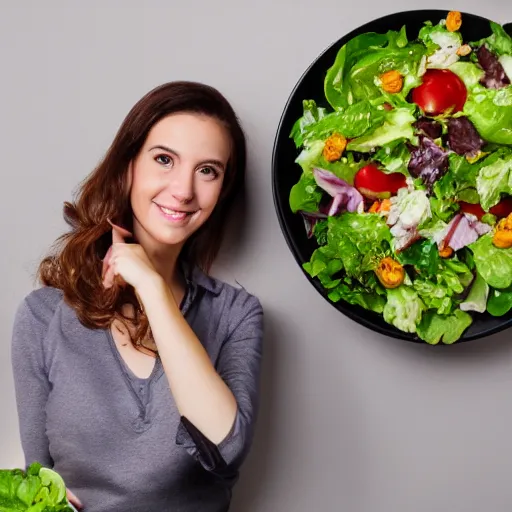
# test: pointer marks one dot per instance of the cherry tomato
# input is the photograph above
(502, 209)
(440, 91)
(375, 184)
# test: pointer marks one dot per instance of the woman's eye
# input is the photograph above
(165, 160)
(209, 172)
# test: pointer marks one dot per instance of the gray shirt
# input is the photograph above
(118, 441)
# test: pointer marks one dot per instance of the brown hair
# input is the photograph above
(76, 260)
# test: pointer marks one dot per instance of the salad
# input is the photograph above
(37, 489)
(406, 182)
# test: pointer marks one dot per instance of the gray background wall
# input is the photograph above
(351, 421)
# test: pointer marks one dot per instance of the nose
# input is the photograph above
(182, 187)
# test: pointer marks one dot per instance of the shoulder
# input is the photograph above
(236, 305)
(31, 325)
(230, 296)
(39, 305)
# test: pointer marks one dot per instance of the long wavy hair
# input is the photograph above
(75, 262)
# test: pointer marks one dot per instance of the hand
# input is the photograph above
(126, 263)
(73, 500)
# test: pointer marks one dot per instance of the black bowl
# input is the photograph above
(285, 172)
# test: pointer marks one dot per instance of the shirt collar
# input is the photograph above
(196, 277)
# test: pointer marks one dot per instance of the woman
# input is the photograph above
(137, 374)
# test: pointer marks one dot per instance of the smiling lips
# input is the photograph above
(174, 215)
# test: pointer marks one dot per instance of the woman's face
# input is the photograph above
(177, 177)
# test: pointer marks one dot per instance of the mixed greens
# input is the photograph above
(406, 179)
(37, 489)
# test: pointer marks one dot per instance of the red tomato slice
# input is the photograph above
(502, 209)
(473, 209)
(375, 184)
(440, 91)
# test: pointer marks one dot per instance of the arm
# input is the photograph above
(239, 365)
(219, 403)
(30, 379)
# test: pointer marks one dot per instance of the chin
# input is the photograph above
(171, 239)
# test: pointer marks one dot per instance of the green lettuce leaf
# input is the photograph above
(438, 289)
(490, 110)
(477, 298)
(506, 62)
(434, 328)
(431, 227)
(403, 308)
(397, 126)
(495, 178)
(354, 75)
(498, 42)
(344, 266)
(305, 195)
(38, 489)
(423, 256)
(336, 87)
(312, 114)
(351, 122)
(468, 72)
(500, 302)
(310, 155)
(359, 240)
(356, 294)
(320, 232)
(394, 157)
(458, 184)
(322, 266)
(442, 210)
(492, 263)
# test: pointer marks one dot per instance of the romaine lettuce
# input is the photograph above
(495, 178)
(490, 110)
(351, 122)
(397, 126)
(352, 76)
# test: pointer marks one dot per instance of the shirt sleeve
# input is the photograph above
(238, 365)
(30, 378)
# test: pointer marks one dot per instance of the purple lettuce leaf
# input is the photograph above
(463, 230)
(310, 219)
(345, 196)
(495, 76)
(429, 127)
(463, 137)
(428, 161)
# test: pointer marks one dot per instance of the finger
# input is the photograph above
(73, 499)
(108, 279)
(118, 233)
(112, 278)
(106, 262)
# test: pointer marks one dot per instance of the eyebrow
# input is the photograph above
(213, 161)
